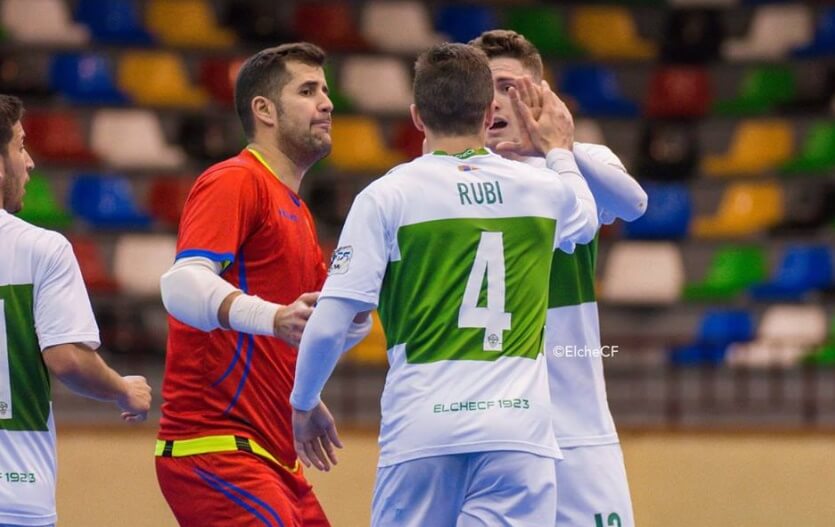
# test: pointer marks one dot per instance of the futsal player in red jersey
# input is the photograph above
(246, 277)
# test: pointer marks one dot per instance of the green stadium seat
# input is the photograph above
(763, 89)
(341, 103)
(546, 28)
(40, 207)
(818, 152)
(824, 355)
(731, 271)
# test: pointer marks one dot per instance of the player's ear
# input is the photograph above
(264, 110)
(488, 115)
(418, 122)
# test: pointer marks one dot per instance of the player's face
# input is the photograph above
(505, 125)
(304, 114)
(16, 167)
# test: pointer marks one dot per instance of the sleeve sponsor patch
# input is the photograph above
(341, 260)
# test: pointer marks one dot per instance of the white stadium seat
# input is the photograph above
(139, 261)
(774, 31)
(377, 84)
(133, 139)
(643, 273)
(400, 26)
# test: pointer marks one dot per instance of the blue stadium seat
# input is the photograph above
(113, 22)
(823, 43)
(717, 330)
(462, 23)
(106, 202)
(803, 269)
(85, 79)
(596, 91)
(668, 214)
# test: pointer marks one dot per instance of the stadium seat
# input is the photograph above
(165, 19)
(57, 136)
(756, 147)
(667, 216)
(331, 24)
(546, 28)
(390, 78)
(94, 270)
(133, 139)
(774, 30)
(372, 349)
(818, 152)
(400, 26)
(258, 22)
(211, 137)
(609, 33)
(647, 273)
(464, 22)
(358, 145)
(596, 91)
(158, 78)
(668, 151)
(106, 202)
(139, 260)
(167, 197)
(341, 102)
(809, 206)
(785, 335)
(217, 76)
(113, 22)
(745, 209)
(763, 90)
(42, 22)
(718, 329)
(692, 36)
(822, 43)
(731, 271)
(802, 270)
(26, 74)
(824, 355)
(85, 79)
(679, 91)
(408, 140)
(41, 207)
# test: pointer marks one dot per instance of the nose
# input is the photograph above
(30, 163)
(326, 105)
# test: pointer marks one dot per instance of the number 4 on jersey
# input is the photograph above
(489, 261)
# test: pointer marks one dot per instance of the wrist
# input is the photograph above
(252, 315)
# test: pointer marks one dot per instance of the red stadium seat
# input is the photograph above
(96, 275)
(408, 139)
(328, 24)
(218, 76)
(167, 198)
(57, 136)
(679, 91)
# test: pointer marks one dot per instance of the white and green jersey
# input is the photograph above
(575, 359)
(456, 252)
(43, 303)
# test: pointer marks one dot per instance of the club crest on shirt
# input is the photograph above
(341, 260)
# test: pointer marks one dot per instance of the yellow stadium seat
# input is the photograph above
(159, 79)
(372, 349)
(609, 32)
(358, 146)
(187, 23)
(745, 209)
(757, 146)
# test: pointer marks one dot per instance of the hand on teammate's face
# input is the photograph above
(291, 319)
(136, 401)
(315, 436)
(545, 122)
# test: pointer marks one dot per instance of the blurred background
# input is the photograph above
(719, 301)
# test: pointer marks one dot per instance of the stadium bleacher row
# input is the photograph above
(723, 109)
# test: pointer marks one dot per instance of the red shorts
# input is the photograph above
(237, 489)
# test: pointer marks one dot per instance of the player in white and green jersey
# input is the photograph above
(46, 325)
(455, 249)
(591, 476)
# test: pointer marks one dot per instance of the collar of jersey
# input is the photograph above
(466, 154)
(263, 161)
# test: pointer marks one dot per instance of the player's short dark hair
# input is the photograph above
(11, 111)
(498, 43)
(265, 74)
(453, 88)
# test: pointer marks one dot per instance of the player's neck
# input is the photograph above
(454, 144)
(282, 166)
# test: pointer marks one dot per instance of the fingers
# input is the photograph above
(522, 110)
(333, 437)
(319, 452)
(309, 298)
(509, 147)
(302, 453)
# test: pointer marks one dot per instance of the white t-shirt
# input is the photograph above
(43, 303)
(455, 251)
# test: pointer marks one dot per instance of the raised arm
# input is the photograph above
(617, 193)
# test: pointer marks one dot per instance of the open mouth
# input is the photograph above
(498, 124)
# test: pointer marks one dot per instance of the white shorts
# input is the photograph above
(484, 489)
(593, 488)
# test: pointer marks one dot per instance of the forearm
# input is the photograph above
(84, 372)
(616, 192)
(323, 342)
(562, 162)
